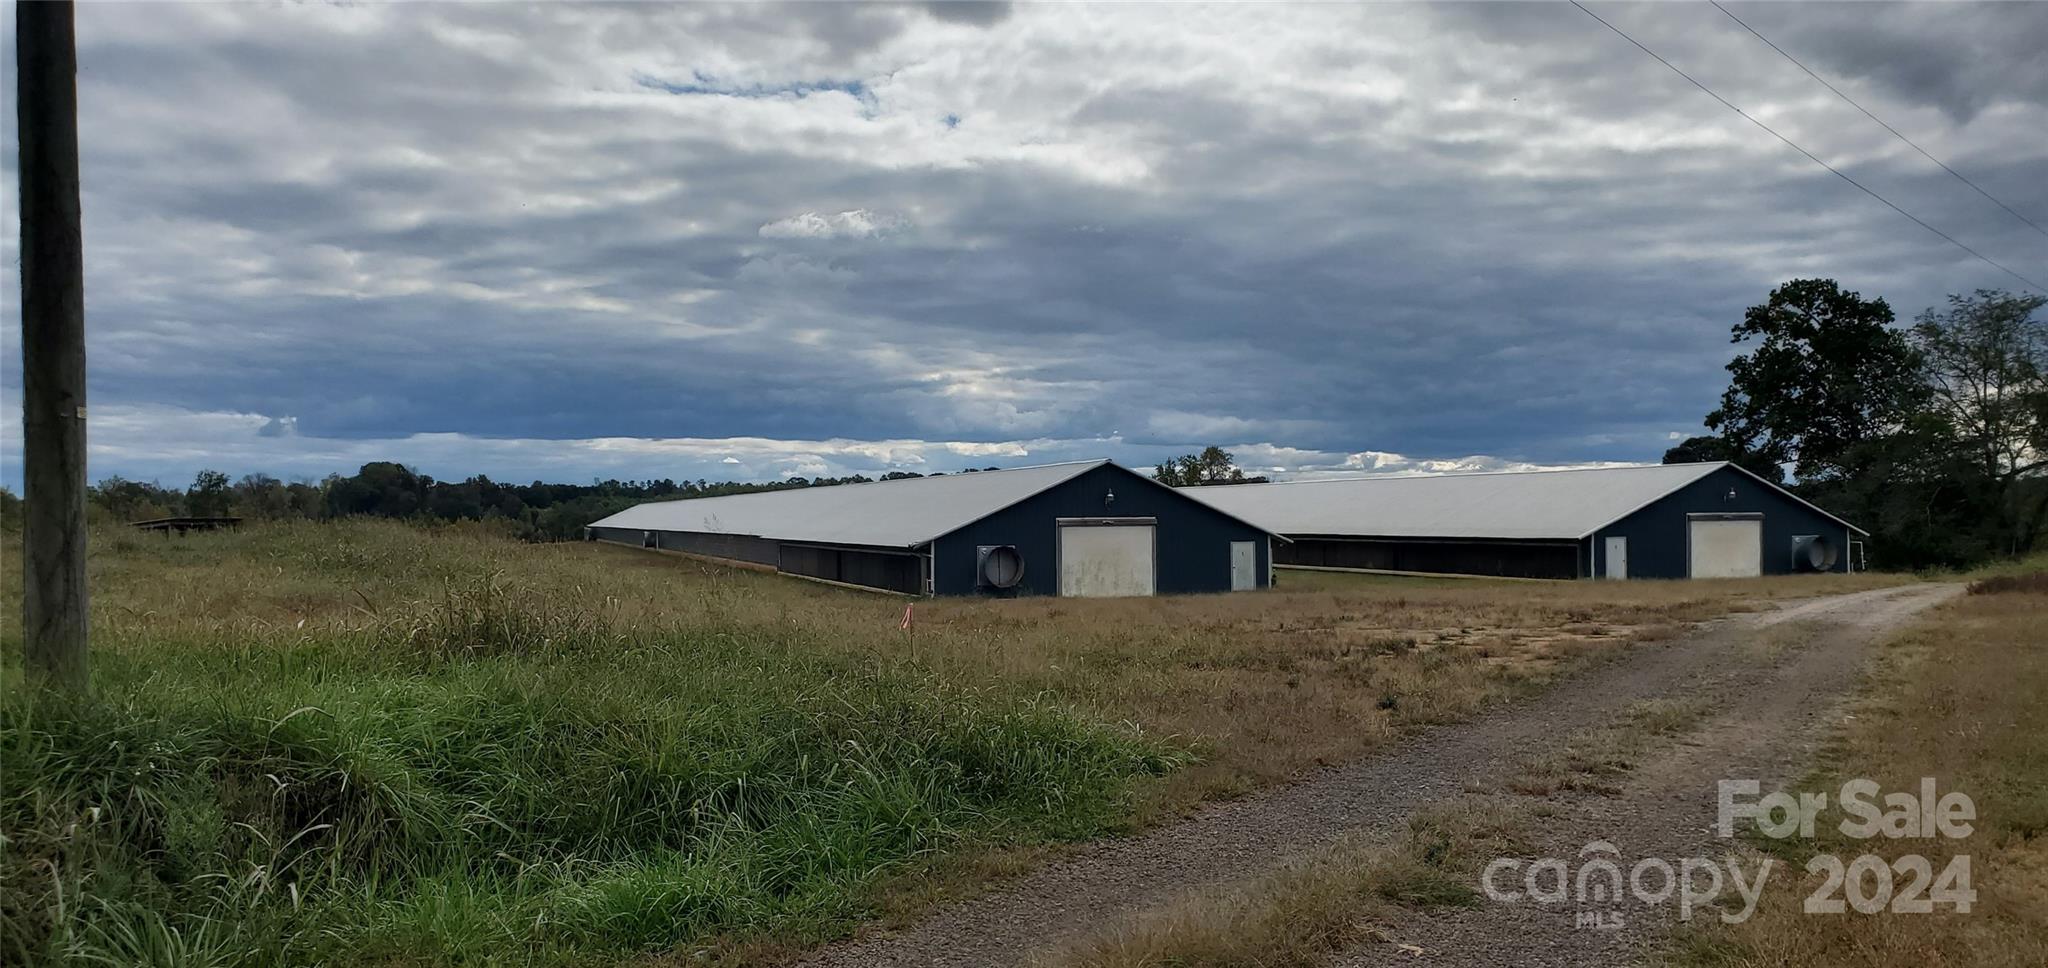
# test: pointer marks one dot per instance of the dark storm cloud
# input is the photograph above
(1440, 231)
(980, 13)
(1997, 56)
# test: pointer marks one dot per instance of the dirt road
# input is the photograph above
(1767, 725)
(1373, 798)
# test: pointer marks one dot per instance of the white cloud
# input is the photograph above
(856, 224)
(1289, 463)
(171, 445)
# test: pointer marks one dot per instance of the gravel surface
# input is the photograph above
(1373, 797)
(1768, 725)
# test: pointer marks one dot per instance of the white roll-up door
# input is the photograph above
(1726, 547)
(1106, 560)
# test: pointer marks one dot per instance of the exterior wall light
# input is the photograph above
(1109, 499)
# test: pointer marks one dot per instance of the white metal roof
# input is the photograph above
(893, 514)
(1567, 504)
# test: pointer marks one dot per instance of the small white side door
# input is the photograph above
(1244, 566)
(1617, 557)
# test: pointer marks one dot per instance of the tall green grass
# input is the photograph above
(503, 775)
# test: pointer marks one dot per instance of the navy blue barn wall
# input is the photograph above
(1658, 535)
(1193, 539)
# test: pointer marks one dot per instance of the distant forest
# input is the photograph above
(538, 511)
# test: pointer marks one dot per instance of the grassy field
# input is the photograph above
(1959, 699)
(369, 743)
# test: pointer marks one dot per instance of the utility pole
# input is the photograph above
(53, 614)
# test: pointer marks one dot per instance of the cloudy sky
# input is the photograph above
(569, 241)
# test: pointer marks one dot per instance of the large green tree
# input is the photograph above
(1828, 377)
(1934, 437)
(1985, 365)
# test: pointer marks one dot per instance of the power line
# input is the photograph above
(1880, 121)
(2031, 284)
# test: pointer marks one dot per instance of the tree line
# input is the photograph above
(538, 511)
(1933, 436)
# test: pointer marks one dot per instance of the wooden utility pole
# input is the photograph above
(53, 615)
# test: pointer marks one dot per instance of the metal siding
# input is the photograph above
(888, 570)
(1194, 539)
(625, 536)
(737, 547)
(885, 569)
(732, 547)
(809, 561)
(1657, 534)
(1503, 559)
(897, 573)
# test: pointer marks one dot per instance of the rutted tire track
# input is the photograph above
(1768, 729)
(1373, 797)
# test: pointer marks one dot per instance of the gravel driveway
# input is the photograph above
(1768, 724)
(1373, 797)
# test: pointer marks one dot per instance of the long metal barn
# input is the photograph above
(1086, 528)
(1709, 520)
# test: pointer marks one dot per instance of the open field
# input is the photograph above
(366, 742)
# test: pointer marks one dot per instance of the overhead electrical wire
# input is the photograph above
(1865, 189)
(1880, 121)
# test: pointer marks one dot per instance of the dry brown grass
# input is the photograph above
(1321, 670)
(1959, 698)
(1598, 760)
(2035, 583)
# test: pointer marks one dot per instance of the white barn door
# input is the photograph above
(1726, 547)
(1106, 560)
(1244, 566)
(1617, 557)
